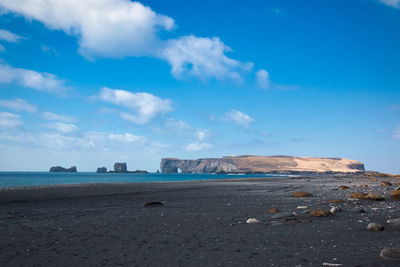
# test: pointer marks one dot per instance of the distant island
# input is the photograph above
(61, 169)
(248, 164)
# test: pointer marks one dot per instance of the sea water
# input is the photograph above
(21, 179)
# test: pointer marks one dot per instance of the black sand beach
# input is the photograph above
(199, 224)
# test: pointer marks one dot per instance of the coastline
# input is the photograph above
(201, 223)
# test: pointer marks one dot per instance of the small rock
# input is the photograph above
(364, 185)
(273, 210)
(394, 223)
(358, 195)
(343, 187)
(374, 197)
(397, 188)
(331, 264)
(390, 253)
(306, 211)
(359, 209)
(282, 215)
(302, 207)
(335, 209)
(375, 227)
(335, 201)
(386, 183)
(320, 213)
(396, 194)
(153, 204)
(301, 194)
(252, 220)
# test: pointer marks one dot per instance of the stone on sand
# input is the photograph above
(343, 187)
(386, 183)
(396, 194)
(390, 254)
(335, 209)
(374, 197)
(252, 220)
(334, 201)
(358, 195)
(301, 194)
(394, 223)
(376, 227)
(273, 210)
(320, 213)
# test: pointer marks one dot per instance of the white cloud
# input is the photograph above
(144, 105)
(126, 138)
(122, 28)
(9, 120)
(62, 127)
(45, 82)
(239, 118)
(202, 134)
(203, 58)
(104, 28)
(9, 36)
(262, 79)
(392, 3)
(2, 48)
(197, 146)
(57, 117)
(177, 125)
(18, 104)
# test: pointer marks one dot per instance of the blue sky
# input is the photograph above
(90, 83)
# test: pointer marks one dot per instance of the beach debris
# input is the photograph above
(252, 220)
(358, 195)
(334, 201)
(301, 194)
(390, 254)
(331, 264)
(273, 210)
(376, 227)
(335, 209)
(343, 187)
(396, 194)
(293, 220)
(320, 213)
(302, 207)
(374, 197)
(153, 204)
(386, 183)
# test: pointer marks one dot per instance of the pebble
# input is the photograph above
(375, 227)
(359, 209)
(390, 254)
(273, 210)
(331, 264)
(320, 213)
(302, 207)
(386, 183)
(394, 223)
(343, 187)
(335, 209)
(374, 197)
(252, 220)
(301, 194)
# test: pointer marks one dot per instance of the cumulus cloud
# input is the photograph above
(126, 138)
(122, 28)
(197, 146)
(104, 28)
(45, 82)
(62, 127)
(392, 3)
(18, 104)
(9, 120)
(202, 58)
(262, 79)
(239, 118)
(9, 36)
(57, 117)
(144, 105)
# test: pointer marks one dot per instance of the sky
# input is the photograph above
(93, 82)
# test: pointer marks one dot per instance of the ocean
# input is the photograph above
(22, 179)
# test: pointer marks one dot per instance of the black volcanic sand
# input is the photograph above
(200, 223)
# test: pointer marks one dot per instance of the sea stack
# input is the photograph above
(101, 170)
(120, 167)
(61, 169)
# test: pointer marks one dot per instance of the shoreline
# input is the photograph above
(200, 223)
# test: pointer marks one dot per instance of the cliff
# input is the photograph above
(262, 164)
(61, 169)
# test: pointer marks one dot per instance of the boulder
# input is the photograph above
(120, 167)
(375, 227)
(61, 169)
(390, 254)
(101, 170)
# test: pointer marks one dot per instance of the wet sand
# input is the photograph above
(200, 223)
